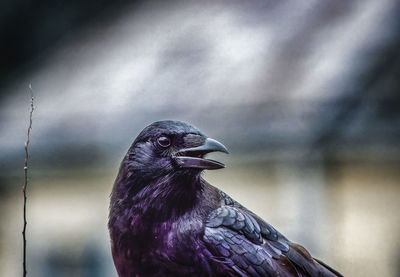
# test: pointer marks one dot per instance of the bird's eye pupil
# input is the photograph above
(164, 141)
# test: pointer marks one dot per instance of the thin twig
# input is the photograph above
(28, 137)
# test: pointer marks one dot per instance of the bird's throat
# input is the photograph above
(159, 199)
(169, 197)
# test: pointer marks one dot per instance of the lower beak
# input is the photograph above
(193, 157)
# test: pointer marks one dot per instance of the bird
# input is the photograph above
(166, 220)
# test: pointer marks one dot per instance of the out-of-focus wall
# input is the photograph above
(344, 214)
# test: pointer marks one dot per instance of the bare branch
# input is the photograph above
(28, 137)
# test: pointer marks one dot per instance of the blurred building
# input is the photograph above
(305, 96)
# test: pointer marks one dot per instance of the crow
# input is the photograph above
(166, 220)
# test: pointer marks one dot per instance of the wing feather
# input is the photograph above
(246, 245)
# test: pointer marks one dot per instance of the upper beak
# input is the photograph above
(193, 157)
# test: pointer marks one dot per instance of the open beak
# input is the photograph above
(194, 157)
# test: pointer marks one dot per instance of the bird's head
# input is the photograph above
(160, 175)
(166, 147)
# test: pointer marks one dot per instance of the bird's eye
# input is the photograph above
(164, 141)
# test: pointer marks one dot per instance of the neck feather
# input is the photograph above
(158, 199)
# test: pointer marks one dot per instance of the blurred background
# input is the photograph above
(305, 95)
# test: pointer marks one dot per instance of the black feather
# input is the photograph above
(165, 220)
